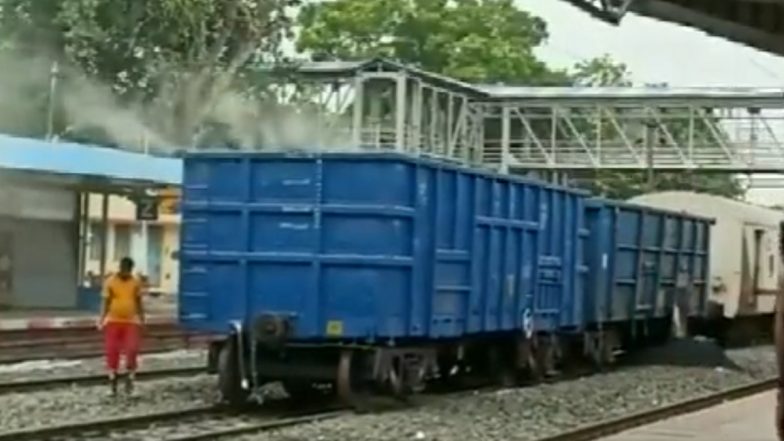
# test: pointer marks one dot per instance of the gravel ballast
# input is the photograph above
(534, 412)
(85, 403)
(688, 370)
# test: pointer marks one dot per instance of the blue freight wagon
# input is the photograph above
(383, 268)
(645, 265)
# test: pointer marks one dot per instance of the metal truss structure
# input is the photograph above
(380, 105)
(377, 105)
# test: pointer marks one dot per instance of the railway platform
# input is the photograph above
(747, 419)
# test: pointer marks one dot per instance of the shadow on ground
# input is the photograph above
(685, 353)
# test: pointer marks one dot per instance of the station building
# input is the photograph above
(157, 252)
(57, 237)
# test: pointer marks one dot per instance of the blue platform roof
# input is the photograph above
(87, 163)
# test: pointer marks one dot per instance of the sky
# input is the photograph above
(654, 51)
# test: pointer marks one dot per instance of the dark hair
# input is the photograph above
(126, 262)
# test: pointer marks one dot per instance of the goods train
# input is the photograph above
(380, 274)
(745, 263)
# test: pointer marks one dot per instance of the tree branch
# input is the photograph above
(229, 21)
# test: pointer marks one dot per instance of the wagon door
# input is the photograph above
(649, 296)
(555, 305)
(596, 256)
(759, 269)
(635, 264)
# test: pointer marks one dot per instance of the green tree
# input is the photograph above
(479, 41)
(603, 71)
(472, 40)
(163, 63)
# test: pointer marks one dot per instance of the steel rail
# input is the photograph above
(278, 419)
(72, 346)
(105, 425)
(613, 426)
(30, 385)
(261, 426)
(225, 427)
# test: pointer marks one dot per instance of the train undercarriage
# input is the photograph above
(738, 331)
(358, 374)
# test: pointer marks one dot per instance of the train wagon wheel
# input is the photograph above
(350, 386)
(229, 378)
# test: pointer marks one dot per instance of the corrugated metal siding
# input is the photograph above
(38, 243)
(23, 200)
(366, 246)
(734, 221)
(641, 256)
(43, 264)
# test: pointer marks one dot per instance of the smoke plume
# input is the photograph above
(87, 106)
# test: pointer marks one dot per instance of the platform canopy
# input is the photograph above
(756, 23)
(85, 166)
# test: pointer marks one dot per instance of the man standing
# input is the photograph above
(122, 316)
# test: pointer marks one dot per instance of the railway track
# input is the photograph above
(211, 422)
(27, 345)
(192, 424)
(30, 385)
(616, 425)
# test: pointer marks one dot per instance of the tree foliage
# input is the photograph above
(601, 72)
(165, 63)
(472, 40)
(169, 69)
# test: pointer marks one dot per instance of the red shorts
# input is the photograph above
(121, 338)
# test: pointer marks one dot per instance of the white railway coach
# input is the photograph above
(744, 260)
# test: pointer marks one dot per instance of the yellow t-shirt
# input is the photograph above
(122, 296)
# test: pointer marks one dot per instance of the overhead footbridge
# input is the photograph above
(382, 105)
